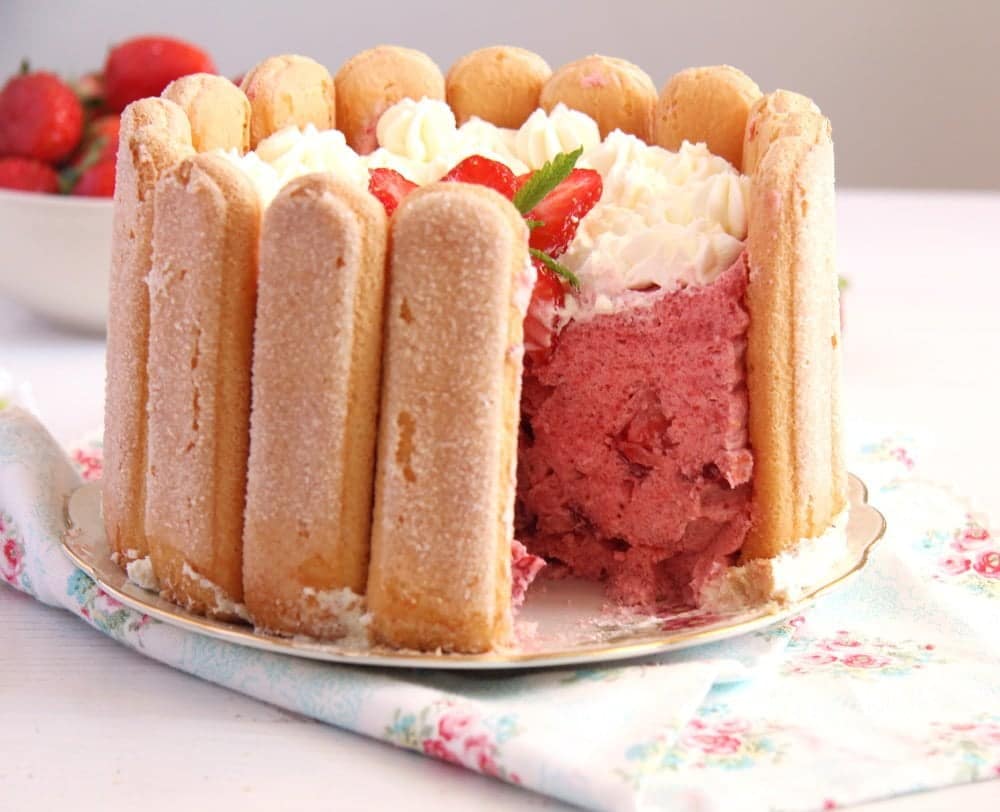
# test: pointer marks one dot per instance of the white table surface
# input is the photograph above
(86, 723)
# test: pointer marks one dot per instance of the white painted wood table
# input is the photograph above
(88, 724)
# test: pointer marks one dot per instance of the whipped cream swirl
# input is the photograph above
(545, 135)
(665, 219)
(420, 131)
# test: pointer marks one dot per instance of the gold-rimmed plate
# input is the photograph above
(563, 622)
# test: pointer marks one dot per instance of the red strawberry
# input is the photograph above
(548, 285)
(27, 175)
(143, 66)
(562, 209)
(548, 293)
(101, 139)
(389, 187)
(484, 172)
(40, 117)
(98, 181)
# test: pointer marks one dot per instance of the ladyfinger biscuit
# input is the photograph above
(287, 91)
(202, 293)
(613, 92)
(218, 110)
(707, 105)
(316, 363)
(374, 80)
(155, 135)
(500, 84)
(445, 472)
(793, 353)
(775, 116)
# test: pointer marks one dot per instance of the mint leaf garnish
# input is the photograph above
(556, 267)
(538, 186)
(544, 180)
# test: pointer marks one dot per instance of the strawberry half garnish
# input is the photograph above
(484, 172)
(547, 295)
(389, 187)
(562, 209)
(548, 286)
(553, 199)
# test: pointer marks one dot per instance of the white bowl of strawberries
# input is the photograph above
(58, 144)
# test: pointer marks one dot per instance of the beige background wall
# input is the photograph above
(911, 87)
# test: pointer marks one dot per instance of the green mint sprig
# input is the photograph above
(545, 180)
(538, 186)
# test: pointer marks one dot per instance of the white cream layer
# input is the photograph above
(665, 219)
(786, 578)
(348, 619)
(223, 604)
(140, 572)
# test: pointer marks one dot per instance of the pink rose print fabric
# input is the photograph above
(972, 745)
(11, 551)
(850, 654)
(459, 736)
(966, 557)
(88, 461)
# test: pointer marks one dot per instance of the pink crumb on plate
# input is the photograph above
(634, 465)
(523, 567)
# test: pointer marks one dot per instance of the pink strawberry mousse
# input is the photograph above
(634, 465)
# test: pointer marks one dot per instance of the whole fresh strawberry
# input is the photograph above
(98, 181)
(40, 117)
(27, 175)
(143, 66)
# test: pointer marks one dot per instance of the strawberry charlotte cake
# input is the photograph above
(385, 345)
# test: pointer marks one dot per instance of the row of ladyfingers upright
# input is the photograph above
(247, 349)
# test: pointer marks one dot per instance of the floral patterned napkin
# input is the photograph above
(890, 686)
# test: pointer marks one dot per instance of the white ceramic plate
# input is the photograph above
(562, 622)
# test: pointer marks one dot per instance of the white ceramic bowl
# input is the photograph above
(55, 256)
